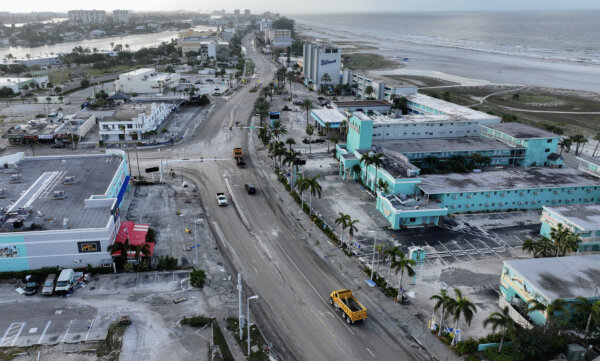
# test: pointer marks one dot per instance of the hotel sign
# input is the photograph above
(327, 61)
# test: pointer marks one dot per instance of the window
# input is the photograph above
(547, 150)
(549, 141)
(412, 219)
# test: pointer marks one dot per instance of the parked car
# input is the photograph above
(65, 282)
(250, 188)
(297, 102)
(58, 145)
(48, 288)
(31, 284)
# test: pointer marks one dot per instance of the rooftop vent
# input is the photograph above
(58, 195)
(15, 178)
(2, 193)
(64, 161)
(69, 180)
(66, 223)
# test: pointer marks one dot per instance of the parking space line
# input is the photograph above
(66, 333)
(44, 332)
(90, 329)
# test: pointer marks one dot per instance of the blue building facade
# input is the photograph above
(581, 219)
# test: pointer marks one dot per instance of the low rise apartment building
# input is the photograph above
(133, 121)
(370, 87)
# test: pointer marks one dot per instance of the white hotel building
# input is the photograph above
(137, 118)
(320, 59)
(143, 81)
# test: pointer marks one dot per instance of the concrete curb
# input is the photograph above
(235, 204)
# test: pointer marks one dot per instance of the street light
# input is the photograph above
(196, 240)
(255, 297)
(373, 261)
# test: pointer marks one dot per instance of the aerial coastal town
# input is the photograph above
(228, 185)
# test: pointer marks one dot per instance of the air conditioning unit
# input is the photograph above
(501, 204)
(2, 193)
(502, 195)
(488, 195)
(570, 191)
(554, 201)
(467, 206)
(469, 196)
(487, 204)
(522, 193)
(453, 206)
(587, 199)
(69, 180)
(520, 203)
(555, 192)
(536, 193)
(454, 197)
(15, 178)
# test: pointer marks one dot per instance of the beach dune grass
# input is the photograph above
(367, 61)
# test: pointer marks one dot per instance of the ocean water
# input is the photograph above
(570, 36)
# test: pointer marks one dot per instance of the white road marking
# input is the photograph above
(44, 332)
(12, 333)
(66, 333)
(372, 354)
(89, 329)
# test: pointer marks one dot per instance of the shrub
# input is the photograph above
(197, 278)
(471, 358)
(151, 236)
(509, 353)
(466, 346)
(197, 321)
(128, 267)
(165, 263)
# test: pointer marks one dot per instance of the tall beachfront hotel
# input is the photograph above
(320, 59)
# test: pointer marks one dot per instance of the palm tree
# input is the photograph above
(390, 254)
(302, 185)
(442, 300)
(307, 105)
(564, 240)
(369, 91)
(278, 129)
(352, 227)
(123, 129)
(403, 264)
(356, 169)
(585, 307)
(578, 139)
(123, 248)
(503, 321)
(325, 80)
(290, 141)
(597, 139)
(142, 249)
(309, 131)
(366, 159)
(461, 306)
(292, 158)
(565, 143)
(344, 129)
(383, 185)
(377, 161)
(542, 248)
(551, 309)
(314, 187)
(342, 221)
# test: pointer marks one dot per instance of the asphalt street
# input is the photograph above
(269, 248)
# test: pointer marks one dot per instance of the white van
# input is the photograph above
(65, 281)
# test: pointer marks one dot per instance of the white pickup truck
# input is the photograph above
(222, 199)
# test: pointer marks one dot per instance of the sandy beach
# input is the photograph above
(469, 67)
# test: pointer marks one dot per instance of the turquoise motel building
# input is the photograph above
(547, 280)
(409, 199)
(581, 219)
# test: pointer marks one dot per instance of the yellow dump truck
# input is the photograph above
(352, 310)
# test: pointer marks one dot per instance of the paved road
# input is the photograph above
(268, 247)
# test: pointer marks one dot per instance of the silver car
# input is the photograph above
(48, 289)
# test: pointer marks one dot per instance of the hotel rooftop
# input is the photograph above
(516, 178)
(520, 131)
(586, 216)
(439, 145)
(457, 111)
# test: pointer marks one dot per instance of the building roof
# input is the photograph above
(458, 111)
(139, 71)
(561, 277)
(129, 111)
(136, 234)
(586, 216)
(437, 145)
(42, 176)
(119, 96)
(517, 178)
(520, 131)
(328, 115)
(362, 103)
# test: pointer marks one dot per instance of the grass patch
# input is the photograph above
(219, 340)
(9, 353)
(421, 81)
(255, 339)
(110, 348)
(367, 61)
(197, 321)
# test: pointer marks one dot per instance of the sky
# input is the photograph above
(304, 6)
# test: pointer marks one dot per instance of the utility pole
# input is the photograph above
(248, 316)
(137, 158)
(240, 312)
(373, 261)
